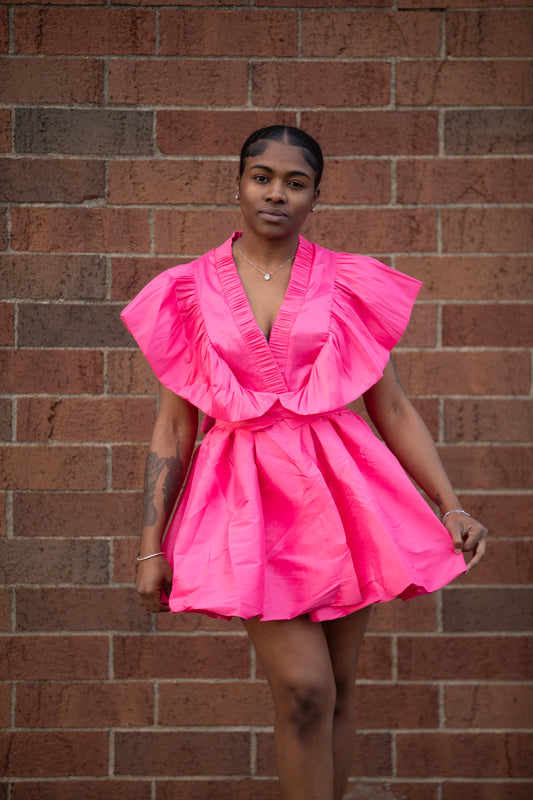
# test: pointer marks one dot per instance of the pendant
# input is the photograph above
(267, 276)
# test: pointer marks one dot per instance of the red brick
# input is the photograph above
(32, 560)
(213, 132)
(74, 790)
(58, 419)
(184, 753)
(456, 372)
(74, 514)
(494, 325)
(130, 373)
(95, 31)
(126, 550)
(373, 132)
(238, 789)
(488, 131)
(355, 181)
(470, 277)
(468, 82)
(56, 277)
(487, 230)
(370, 33)
(373, 756)
(376, 230)
(221, 703)
(84, 705)
(7, 324)
(43, 371)
(465, 658)
(5, 705)
(128, 464)
(488, 706)
(51, 80)
(489, 790)
(419, 614)
(397, 706)
(422, 328)
(402, 4)
(4, 30)
(502, 420)
(41, 467)
(491, 33)
(168, 181)
(497, 510)
(36, 180)
(3, 514)
(489, 754)
(193, 623)
(87, 325)
(176, 82)
(87, 131)
(72, 609)
(55, 658)
(489, 466)
(221, 32)
(5, 130)
(468, 180)
(54, 753)
(94, 230)
(131, 274)
(185, 231)
(5, 610)
(195, 656)
(490, 609)
(338, 83)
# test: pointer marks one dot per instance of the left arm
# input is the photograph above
(407, 436)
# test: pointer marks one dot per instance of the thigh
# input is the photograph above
(291, 651)
(345, 638)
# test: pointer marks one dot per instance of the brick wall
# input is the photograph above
(119, 125)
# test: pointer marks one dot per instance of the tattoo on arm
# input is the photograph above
(171, 485)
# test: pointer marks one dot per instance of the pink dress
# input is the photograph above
(292, 505)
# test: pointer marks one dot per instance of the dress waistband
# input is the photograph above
(273, 415)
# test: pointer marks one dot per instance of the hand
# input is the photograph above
(154, 576)
(469, 536)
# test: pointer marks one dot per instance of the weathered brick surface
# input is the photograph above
(120, 129)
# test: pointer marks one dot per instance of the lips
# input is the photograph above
(273, 214)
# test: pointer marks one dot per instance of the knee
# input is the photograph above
(307, 703)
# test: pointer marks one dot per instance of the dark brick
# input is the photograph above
(494, 609)
(36, 180)
(83, 131)
(88, 325)
(53, 276)
(43, 560)
(479, 132)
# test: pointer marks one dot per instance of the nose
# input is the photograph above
(276, 192)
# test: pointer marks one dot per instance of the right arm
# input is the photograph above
(167, 462)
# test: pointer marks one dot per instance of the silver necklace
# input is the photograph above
(267, 275)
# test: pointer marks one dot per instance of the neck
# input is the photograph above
(268, 253)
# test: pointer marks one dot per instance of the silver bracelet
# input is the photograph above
(145, 558)
(455, 511)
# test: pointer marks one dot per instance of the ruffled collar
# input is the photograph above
(271, 354)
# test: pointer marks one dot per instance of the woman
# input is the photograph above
(294, 516)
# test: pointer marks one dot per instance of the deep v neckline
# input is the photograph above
(275, 348)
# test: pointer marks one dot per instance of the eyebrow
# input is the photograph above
(292, 172)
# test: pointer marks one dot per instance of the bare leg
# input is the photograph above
(344, 637)
(295, 656)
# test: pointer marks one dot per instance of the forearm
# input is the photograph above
(167, 463)
(407, 436)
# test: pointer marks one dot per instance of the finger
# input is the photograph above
(479, 554)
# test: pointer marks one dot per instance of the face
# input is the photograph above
(277, 191)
